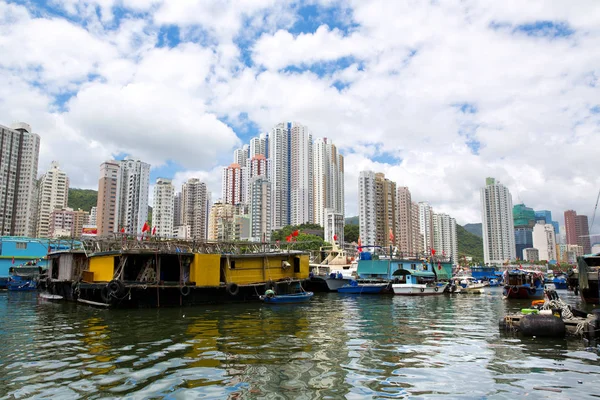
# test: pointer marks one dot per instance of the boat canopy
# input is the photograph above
(401, 272)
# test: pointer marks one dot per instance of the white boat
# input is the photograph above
(417, 283)
(468, 284)
(335, 270)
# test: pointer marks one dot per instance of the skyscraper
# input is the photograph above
(163, 208)
(578, 230)
(417, 236)
(426, 226)
(53, 193)
(444, 236)
(328, 180)
(385, 210)
(19, 154)
(523, 219)
(546, 217)
(367, 208)
(404, 230)
(497, 223)
(234, 184)
(133, 202)
(260, 208)
(195, 201)
(177, 217)
(109, 189)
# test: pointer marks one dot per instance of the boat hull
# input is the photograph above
(21, 286)
(523, 292)
(362, 289)
(325, 283)
(288, 299)
(404, 289)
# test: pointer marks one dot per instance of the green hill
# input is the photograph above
(475, 229)
(352, 220)
(469, 244)
(82, 198)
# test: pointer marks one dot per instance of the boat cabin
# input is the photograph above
(415, 277)
(520, 277)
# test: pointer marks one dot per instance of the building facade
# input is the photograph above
(404, 241)
(163, 208)
(19, 155)
(444, 237)
(497, 223)
(133, 202)
(195, 201)
(109, 190)
(367, 208)
(334, 226)
(234, 180)
(524, 219)
(53, 194)
(260, 209)
(544, 240)
(66, 222)
(328, 180)
(426, 226)
(577, 230)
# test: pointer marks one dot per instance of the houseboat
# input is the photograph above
(18, 251)
(588, 267)
(523, 284)
(172, 274)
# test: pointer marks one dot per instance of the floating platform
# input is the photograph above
(540, 325)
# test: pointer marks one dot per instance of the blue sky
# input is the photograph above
(434, 94)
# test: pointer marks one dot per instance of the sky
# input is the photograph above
(438, 95)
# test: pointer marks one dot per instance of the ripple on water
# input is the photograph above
(334, 347)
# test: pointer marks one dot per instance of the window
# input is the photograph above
(21, 245)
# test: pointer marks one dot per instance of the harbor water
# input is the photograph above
(335, 347)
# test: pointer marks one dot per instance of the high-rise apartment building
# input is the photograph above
(53, 194)
(19, 154)
(445, 241)
(385, 210)
(234, 181)
(367, 204)
(404, 240)
(241, 156)
(417, 236)
(221, 221)
(163, 208)
(177, 209)
(497, 223)
(577, 230)
(260, 208)
(133, 203)
(546, 217)
(544, 240)
(328, 180)
(109, 189)
(93, 214)
(195, 202)
(426, 226)
(259, 146)
(66, 222)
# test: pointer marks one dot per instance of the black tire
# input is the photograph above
(116, 288)
(105, 295)
(422, 290)
(436, 289)
(232, 289)
(185, 290)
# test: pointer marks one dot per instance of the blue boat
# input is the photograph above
(23, 279)
(354, 287)
(301, 297)
(559, 281)
(523, 284)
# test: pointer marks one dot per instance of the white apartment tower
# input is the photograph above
(328, 180)
(195, 202)
(19, 154)
(260, 209)
(426, 226)
(93, 214)
(497, 223)
(109, 189)
(163, 208)
(133, 203)
(334, 226)
(53, 194)
(241, 156)
(404, 240)
(417, 242)
(259, 145)
(544, 240)
(367, 208)
(445, 241)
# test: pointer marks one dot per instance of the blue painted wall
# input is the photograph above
(25, 249)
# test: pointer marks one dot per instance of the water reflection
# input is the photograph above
(334, 347)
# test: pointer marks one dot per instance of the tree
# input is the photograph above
(304, 241)
(351, 233)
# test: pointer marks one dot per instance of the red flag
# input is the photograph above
(123, 230)
(334, 237)
(359, 245)
(520, 266)
(13, 260)
(433, 252)
(145, 228)
(391, 235)
(154, 231)
(288, 238)
(295, 233)
(439, 265)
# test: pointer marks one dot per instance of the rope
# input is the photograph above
(558, 303)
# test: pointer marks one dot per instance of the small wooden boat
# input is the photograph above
(301, 297)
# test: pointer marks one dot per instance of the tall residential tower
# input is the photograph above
(497, 223)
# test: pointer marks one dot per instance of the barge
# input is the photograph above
(160, 274)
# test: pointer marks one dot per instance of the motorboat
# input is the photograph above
(301, 297)
(417, 282)
(355, 287)
(335, 269)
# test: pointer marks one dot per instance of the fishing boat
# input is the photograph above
(335, 269)
(468, 284)
(23, 279)
(355, 287)
(588, 267)
(558, 280)
(301, 297)
(523, 284)
(417, 282)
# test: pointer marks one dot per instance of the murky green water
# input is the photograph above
(337, 346)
